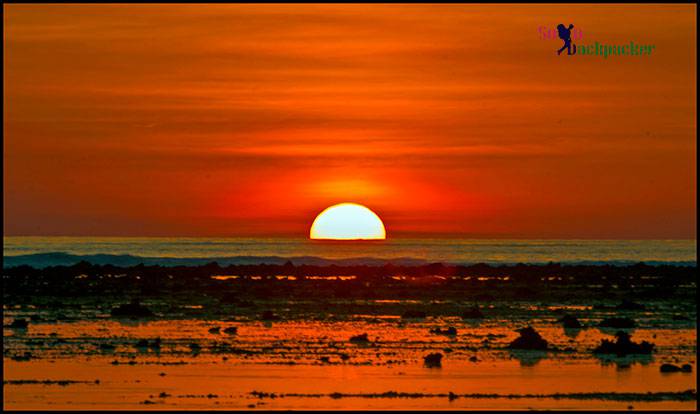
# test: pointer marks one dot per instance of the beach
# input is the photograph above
(347, 336)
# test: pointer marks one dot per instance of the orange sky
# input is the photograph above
(447, 120)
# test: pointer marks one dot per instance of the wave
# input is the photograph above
(43, 260)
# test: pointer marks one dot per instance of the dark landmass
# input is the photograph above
(43, 260)
(477, 283)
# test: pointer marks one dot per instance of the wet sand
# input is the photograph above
(304, 363)
(197, 340)
(225, 384)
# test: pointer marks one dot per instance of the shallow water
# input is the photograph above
(310, 355)
(230, 384)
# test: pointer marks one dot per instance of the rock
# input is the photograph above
(433, 360)
(155, 345)
(27, 356)
(474, 359)
(623, 346)
(529, 339)
(570, 322)
(680, 318)
(675, 368)
(214, 330)
(360, 338)
(195, 348)
(19, 324)
(412, 314)
(619, 323)
(472, 313)
(142, 344)
(231, 330)
(451, 331)
(132, 310)
(325, 360)
(629, 305)
(670, 368)
(269, 316)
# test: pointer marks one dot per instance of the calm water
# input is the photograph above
(42, 250)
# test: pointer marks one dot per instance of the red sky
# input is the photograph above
(446, 120)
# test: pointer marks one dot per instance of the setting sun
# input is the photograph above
(348, 221)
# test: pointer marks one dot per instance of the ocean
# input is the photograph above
(127, 251)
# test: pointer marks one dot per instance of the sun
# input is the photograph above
(347, 221)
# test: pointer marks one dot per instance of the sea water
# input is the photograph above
(46, 251)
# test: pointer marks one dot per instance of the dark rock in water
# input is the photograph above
(155, 345)
(27, 356)
(474, 359)
(570, 322)
(269, 316)
(195, 348)
(325, 360)
(675, 368)
(629, 305)
(472, 313)
(360, 338)
(670, 368)
(412, 314)
(18, 324)
(529, 339)
(231, 330)
(132, 310)
(623, 346)
(680, 318)
(619, 323)
(143, 343)
(214, 330)
(433, 360)
(451, 331)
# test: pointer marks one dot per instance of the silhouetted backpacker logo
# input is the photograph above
(565, 35)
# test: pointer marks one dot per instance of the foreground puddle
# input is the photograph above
(95, 382)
